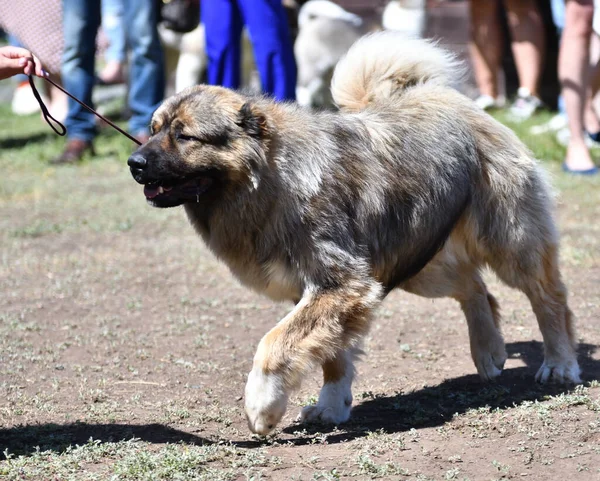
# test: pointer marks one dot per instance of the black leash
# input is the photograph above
(54, 124)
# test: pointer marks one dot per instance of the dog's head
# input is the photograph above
(205, 142)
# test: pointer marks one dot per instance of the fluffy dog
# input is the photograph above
(409, 185)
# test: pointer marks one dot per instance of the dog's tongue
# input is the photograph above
(150, 191)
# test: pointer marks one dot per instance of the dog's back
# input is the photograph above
(387, 72)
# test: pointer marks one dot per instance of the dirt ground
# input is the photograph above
(118, 325)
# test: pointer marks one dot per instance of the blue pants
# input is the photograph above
(81, 20)
(273, 52)
(114, 28)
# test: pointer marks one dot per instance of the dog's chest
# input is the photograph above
(282, 283)
(275, 280)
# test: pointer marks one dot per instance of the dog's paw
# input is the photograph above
(562, 372)
(490, 364)
(333, 407)
(489, 358)
(266, 401)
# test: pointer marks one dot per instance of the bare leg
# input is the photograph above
(590, 117)
(573, 64)
(486, 45)
(527, 41)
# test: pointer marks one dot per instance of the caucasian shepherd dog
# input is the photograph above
(409, 185)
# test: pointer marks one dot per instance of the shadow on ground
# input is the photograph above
(18, 142)
(24, 440)
(431, 406)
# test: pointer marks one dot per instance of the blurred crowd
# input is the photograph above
(288, 49)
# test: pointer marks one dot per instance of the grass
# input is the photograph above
(137, 460)
(104, 377)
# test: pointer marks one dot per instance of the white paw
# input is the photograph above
(490, 365)
(562, 372)
(266, 401)
(334, 405)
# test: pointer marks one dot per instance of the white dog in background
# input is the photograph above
(185, 55)
(325, 33)
(406, 16)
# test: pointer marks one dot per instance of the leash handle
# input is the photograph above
(59, 128)
(51, 121)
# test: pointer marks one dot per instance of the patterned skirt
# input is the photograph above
(37, 24)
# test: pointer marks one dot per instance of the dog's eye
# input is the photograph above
(186, 138)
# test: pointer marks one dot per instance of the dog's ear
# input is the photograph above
(252, 120)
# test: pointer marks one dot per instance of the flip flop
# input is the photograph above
(592, 171)
(594, 136)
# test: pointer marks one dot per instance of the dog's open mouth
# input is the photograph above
(163, 194)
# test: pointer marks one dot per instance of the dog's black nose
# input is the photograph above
(137, 161)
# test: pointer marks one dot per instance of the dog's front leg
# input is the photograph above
(335, 398)
(322, 326)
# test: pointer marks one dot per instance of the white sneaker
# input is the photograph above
(556, 123)
(23, 100)
(486, 102)
(525, 105)
(563, 136)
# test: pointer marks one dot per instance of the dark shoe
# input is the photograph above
(591, 171)
(74, 152)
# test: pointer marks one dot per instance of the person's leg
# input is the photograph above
(485, 45)
(590, 117)
(80, 25)
(273, 50)
(223, 28)
(146, 73)
(113, 26)
(573, 66)
(527, 41)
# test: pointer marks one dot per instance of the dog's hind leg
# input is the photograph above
(445, 276)
(487, 345)
(324, 324)
(536, 273)
(335, 398)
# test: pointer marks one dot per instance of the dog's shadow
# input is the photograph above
(433, 406)
(428, 407)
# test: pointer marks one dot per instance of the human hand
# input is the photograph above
(16, 60)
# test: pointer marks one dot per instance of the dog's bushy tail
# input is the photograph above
(380, 66)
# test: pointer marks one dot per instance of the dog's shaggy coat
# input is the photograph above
(410, 185)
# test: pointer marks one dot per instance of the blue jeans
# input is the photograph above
(81, 20)
(113, 25)
(273, 52)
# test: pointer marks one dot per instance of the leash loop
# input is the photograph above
(47, 116)
(63, 130)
